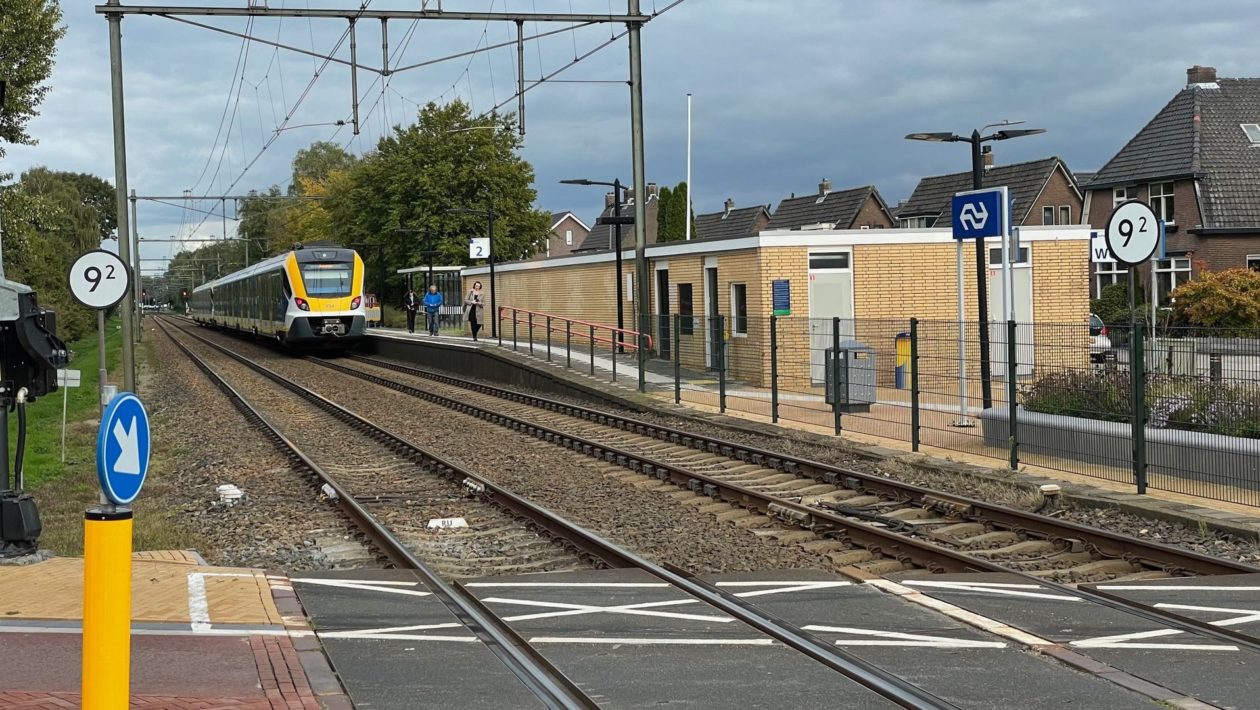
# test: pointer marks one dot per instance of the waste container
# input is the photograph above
(850, 382)
(901, 367)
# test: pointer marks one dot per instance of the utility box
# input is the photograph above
(850, 381)
(1172, 356)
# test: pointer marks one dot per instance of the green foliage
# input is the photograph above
(1227, 299)
(1081, 393)
(672, 214)
(28, 38)
(314, 164)
(1113, 306)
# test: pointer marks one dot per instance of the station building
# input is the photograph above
(873, 280)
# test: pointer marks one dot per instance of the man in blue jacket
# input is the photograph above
(432, 304)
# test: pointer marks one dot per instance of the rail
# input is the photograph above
(590, 330)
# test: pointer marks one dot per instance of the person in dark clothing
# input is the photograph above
(476, 311)
(432, 305)
(411, 304)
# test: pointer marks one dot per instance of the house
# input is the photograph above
(1197, 163)
(567, 233)
(600, 236)
(731, 223)
(856, 208)
(1044, 191)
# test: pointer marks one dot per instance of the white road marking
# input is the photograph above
(18, 629)
(810, 584)
(1174, 588)
(1128, 641)
(954, 612)
(999, 588)
(1248, 615)
(580, 609)
(198, 605)
(652, 642)
(387, 586)
(896, 638)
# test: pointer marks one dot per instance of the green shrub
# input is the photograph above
(1081, 393)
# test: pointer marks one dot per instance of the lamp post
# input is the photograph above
(977, 182)
(616, 225)
(489, 214)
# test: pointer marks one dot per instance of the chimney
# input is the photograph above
(1200, 75)
(824, 187)
(730, 205)
(608, 200)
(986, 156)
(653, 190)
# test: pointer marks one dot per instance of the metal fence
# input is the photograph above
(1196, 391)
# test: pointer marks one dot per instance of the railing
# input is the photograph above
(609, 338)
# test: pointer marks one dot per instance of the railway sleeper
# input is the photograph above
(994, 538)
(1025, 547)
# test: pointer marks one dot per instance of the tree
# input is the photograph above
(92, 192)
(28, 39)
(1226, 299)
(672, 214)
(314, 163)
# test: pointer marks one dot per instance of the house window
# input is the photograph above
(1162, 200)
(686, 325)
(739, 309)
(1169, 274)
(1047, 215)
(1253, 133)
(1253, 262)
(1119, 196)
(917, 222)
(1107, 273)
(568, 237)
(1065, 214)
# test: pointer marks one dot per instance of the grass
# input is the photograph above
(65, 490)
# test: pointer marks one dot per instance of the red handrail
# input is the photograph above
(631, 336)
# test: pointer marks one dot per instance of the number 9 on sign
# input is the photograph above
(99, 279)
(1132, 232)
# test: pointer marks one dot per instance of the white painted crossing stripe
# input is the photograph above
(387, 586)
(811, 584)
(580, 609)
(368, 635)
(1174, 588)
(998, 588)
(897, 638)
(357, 633)
(981, 622)
(606, 640)
(198, 605)
(1130, 641)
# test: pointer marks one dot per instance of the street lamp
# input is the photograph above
(977, 182)
(489, 214)
(616, 186)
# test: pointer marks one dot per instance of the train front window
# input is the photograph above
(326, 280)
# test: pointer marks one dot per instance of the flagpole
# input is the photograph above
(687, 216)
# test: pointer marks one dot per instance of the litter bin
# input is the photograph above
(854, 390)
(901, 367)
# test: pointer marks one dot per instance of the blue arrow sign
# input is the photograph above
(979, 213)
(122, 449)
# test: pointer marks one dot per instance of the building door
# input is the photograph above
(830, 297)
(662, 313)
(1021, 268)
(712, 328)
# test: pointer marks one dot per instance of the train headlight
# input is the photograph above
(355, 303)
(302, 304)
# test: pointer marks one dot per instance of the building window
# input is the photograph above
(995, 256)
(1047, 215)
(568, 237)
(1253, 133)
(1065, 214)
(917, 222)
(1107, 273)
(686, 326)
(1162, 200)
(1253, 262)
(830, 260)
(739, 309)
(1169, 274)
(1119, 196)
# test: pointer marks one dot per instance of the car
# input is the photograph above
(1099, 343)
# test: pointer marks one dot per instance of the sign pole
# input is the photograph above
(106, 607)
(962, 342)
(100, 357)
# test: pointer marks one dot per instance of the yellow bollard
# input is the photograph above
(106, 608)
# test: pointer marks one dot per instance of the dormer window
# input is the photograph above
(1253, 133)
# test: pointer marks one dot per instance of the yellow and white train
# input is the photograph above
(308, 297)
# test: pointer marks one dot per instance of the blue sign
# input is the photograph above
(979, 213)
(122, 449)
(781, 291)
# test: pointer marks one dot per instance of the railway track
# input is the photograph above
(366, 513)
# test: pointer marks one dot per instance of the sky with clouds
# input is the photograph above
(786, 92)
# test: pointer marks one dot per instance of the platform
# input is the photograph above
(629, 640)
(202, 636)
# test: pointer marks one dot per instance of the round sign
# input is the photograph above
(1132, 232)
(122, 449)
(99, 279)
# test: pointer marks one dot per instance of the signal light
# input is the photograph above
(355, 303)
(301, 303)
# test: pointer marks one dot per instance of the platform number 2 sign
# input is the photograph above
(99, 279)
(479, 248)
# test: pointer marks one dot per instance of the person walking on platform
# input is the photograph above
(432, 304)
(411, 304)
(476, 311)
